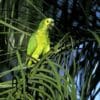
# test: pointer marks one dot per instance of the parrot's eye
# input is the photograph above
(47, 21)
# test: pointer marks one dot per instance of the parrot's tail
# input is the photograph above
(29, 63)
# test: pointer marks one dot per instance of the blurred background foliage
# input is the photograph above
(71, 70)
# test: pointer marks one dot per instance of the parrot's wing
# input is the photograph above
(32, 44)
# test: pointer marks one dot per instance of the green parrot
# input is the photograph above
(39, 42)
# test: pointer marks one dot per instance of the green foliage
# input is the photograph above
(43, 81)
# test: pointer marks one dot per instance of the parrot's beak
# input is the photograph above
(51, 25)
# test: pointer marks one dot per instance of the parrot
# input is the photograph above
(39, 42)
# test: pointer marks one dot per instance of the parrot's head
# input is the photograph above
(47, 23)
